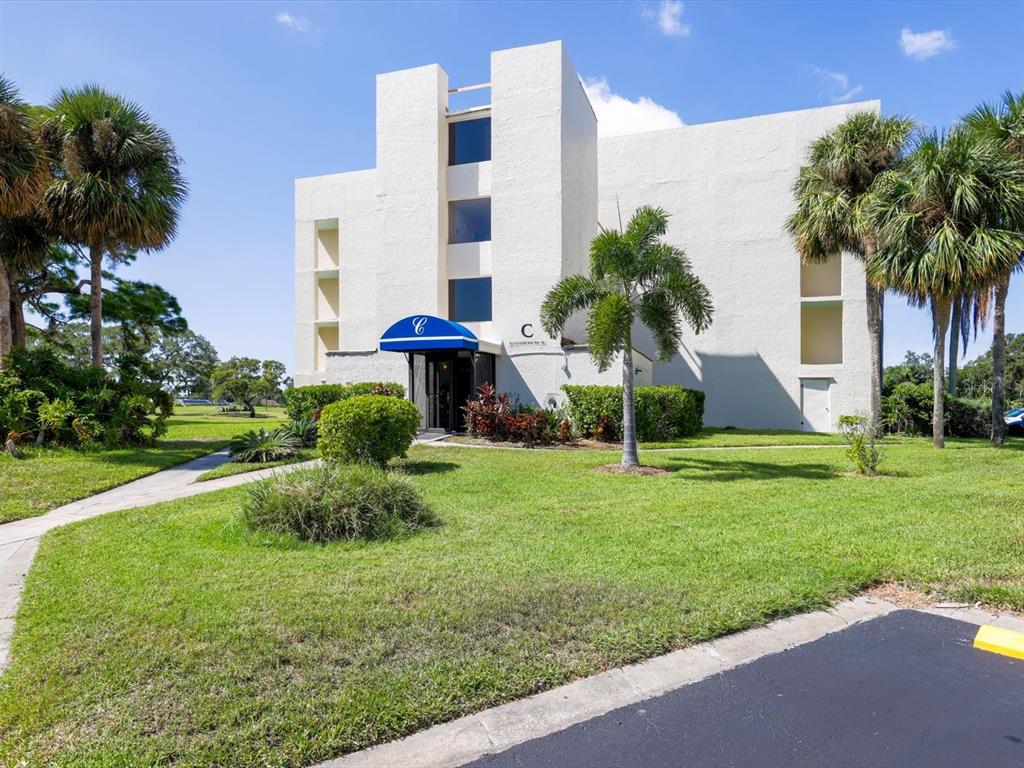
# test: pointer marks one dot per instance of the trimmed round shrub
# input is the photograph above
(367, 428)
(334, 502)
(306, 402)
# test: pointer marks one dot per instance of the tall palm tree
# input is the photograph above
(120, 187)
(24, 172)
(947, 223)
(634, 275)
(830, 195)
(1004, 124)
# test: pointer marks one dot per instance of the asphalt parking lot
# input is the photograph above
(905, 689)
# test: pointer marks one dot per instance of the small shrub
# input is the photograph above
(333, 502)
(367, 428)
(307, 402)
(662, 412)
(302, 431)
(497, 416)
(260, 446)
(907, 410)
(564, 434)
(861, 435)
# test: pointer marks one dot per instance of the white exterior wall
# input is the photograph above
(728, 188)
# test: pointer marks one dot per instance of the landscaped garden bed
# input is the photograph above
(185, 637)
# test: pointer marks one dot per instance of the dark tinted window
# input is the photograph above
(469, 141)
(469, 221)
(469, 300)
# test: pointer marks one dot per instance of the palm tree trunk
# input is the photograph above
(5, 317)
(999, 362)
(629, 453)
(18, 328)
(96, 302)
(954, 342)
(875, 303)
(940, 315)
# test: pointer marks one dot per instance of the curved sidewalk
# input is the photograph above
(19, 540)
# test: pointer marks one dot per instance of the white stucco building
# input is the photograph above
(472, 216)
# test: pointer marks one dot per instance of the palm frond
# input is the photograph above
(569, 296)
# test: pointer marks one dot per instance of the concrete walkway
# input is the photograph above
(20, 540)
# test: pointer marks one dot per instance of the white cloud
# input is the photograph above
(668, 17)
(298, 23)
(617, 115)
(837, 85)
(924, 45)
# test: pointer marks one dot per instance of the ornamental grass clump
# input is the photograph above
(261, 446)
(336, 502)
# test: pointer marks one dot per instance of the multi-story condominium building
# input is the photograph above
(431, 268)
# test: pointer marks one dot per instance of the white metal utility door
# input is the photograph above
(816, 405)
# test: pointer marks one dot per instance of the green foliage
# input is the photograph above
(334, 502)
(306, 402)
(261, 446)
(861, 435)
(246, 380)
(907, 410)
(66, 405)
(662, 412)
(367, 428)
(975, 377)
(302, 431)
(915, 369)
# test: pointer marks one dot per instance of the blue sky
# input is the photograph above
(257, 94)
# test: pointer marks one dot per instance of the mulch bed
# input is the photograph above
(618, 469)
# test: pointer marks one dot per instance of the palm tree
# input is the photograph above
(1004, 124)
(24, 172)
(830, 195)
(634, 275)
(120, 188)
(947, 223)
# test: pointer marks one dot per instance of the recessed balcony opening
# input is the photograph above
(327, 244)
(469, 221)
(327, 295)
(326, 341)
(821, 334)
(822, 279)
(469, 141)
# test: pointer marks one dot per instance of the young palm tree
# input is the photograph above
(1004, 124)
(948, 225)
(24, 172)
(120, 188)
(634, 275)
(830, 195)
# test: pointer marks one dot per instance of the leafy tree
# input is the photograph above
(1003, 124)
(634, 276)
(24, 173)
(915, 369)
(119, 188)
(246, 380)
(947, 219)
(976, 376)
(831, 192)
(184, 363)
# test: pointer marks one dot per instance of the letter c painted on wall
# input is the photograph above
(523, 330)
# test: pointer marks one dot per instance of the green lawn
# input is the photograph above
(736, 438)
(49, 477)
(185, 639)
(240, 468)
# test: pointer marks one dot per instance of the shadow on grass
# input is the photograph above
(725, 470)
(426, 467)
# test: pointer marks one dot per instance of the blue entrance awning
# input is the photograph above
(422, 332)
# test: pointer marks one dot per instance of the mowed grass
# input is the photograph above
(711, 437)
(242, 468)
(45, 478)
(173, 635)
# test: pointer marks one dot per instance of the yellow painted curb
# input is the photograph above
(999, 640)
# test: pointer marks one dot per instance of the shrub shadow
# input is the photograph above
(425, 467)
(726, 470)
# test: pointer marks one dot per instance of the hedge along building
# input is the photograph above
(431, 268)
